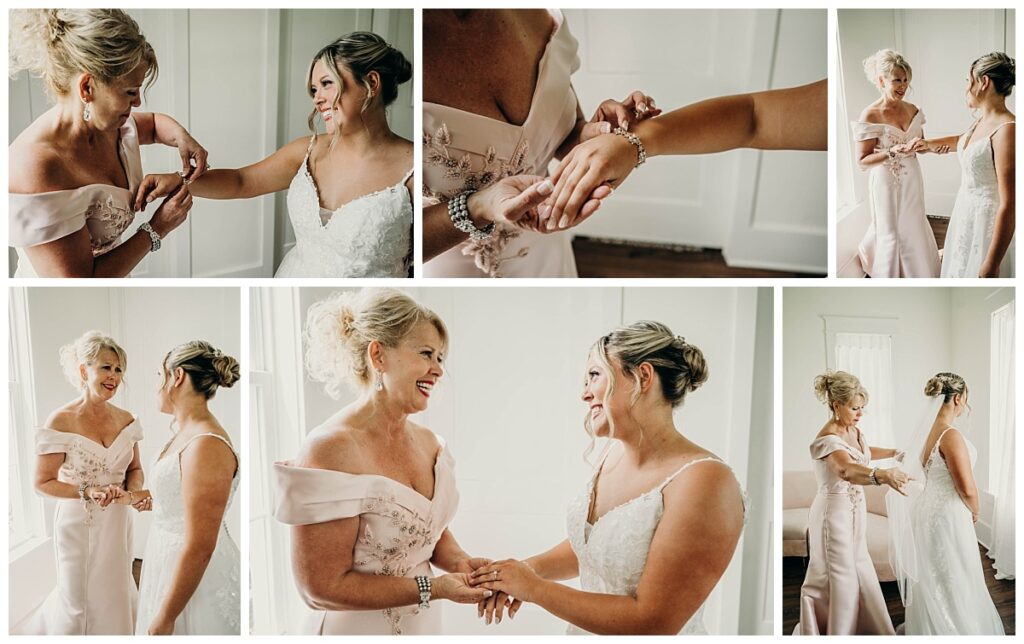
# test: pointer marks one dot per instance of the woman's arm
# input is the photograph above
(134, 478)
(160, 128)
(207, 468)
(1004, 152)
(958, 461)
(71, 256)
(852, 472)
(692, 546)
(46, 483)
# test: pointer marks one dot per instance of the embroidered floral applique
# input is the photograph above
(487, 255)
(115, 220)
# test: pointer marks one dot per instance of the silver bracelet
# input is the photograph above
(423, 585)
(641, 153)
(82, 487)
(459, 214)
(872, 477)
(154, 239)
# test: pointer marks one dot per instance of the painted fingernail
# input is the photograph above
(543, 210)
(497, 620)
(606, 127)
(642, 107)
(545, 187)
(488, 594)
(624, 125)
(551, 224)
(564, 221)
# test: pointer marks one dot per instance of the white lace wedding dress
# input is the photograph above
(370, 236)
(613, 551)
(973, 221)
(214, 608)
(949, 597)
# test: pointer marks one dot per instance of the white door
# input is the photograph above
(728, 200)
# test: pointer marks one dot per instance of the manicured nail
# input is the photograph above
(497, 620)
(624, 125)
(545, 187)
(543, 210)
(564, 221)
(488, 593)
(642, 107)
(551, 223)
(606, 127)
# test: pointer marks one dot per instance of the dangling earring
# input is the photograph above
(87, 110)
(378, 382)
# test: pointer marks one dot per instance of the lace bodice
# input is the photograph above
(398, 526)
(888, 136)
(972, 223)
(612, 553)
(165, 486)
(466, 151)
(938, 479)
(105, 210)
(370, 236)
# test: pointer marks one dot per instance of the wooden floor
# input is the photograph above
(1003, 594)
(939, 226)
(601, 258)
(137, 570)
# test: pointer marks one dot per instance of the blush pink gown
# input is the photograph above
(105, 210)
(899, 242)
(398, 529)
(95, 592)
(463, 151)
(840, 594)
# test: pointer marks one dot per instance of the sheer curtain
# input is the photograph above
(1003, 442)
(869, 357)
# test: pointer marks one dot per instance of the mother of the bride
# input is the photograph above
(74, 170)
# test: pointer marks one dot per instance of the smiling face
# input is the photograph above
(602, 405)
(849, 415)
(324, 90)
(411, 369)
(112, 103)
(103, 377)
(894, 86)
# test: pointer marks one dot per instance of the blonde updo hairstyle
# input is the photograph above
(834, 387)
(999, 68)
(680, 366)
(58, 44)
(947, 385)
(885, 62)
(206, 367)
(86, 350)
(360, 52)
(340, 328)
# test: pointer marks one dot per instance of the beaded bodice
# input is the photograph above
(85, 460)
(888, 136)
(370, 236)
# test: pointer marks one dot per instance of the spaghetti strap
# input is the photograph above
(998, 127)
(309, 148)
(407, 175)
(682, 469)
(218, 437)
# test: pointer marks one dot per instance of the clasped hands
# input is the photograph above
(104, 495)
(588, 173)
(506, 584)
(916, 145)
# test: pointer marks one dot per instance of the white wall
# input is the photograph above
(738, 201)
(940, 45)
(922, 346)
(512, 383)
(237, 80)
(147, 322)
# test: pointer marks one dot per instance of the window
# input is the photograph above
(869, 357)
(24, 508)
(1001, 396)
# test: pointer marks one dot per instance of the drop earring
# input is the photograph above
(86, 110)
(378, 383)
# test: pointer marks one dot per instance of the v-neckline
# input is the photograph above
(105, 448)
(542, 67)
(316, 192)
(905, 130)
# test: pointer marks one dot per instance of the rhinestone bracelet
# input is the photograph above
(459, 214)
(424, 587)
(641, 153)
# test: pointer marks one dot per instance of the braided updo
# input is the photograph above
(208, 368)
(945, 384)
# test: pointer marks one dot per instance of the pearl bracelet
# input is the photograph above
(459, 214)
(424, 587)
(641, 153)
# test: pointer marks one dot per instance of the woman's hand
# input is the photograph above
(161, 626)
(172, 212)
(456, 587)
(604, 161)
(98, 494)
(611, 114)
(193, 156)
(936, 147)
(910, 148)
(895, 478)
(141, 500)
(509, 576)
(154, 186)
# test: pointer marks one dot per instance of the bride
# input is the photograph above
(190, 571)
(348, 189)
(933, 546)
(982, 223)
(658, 523)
